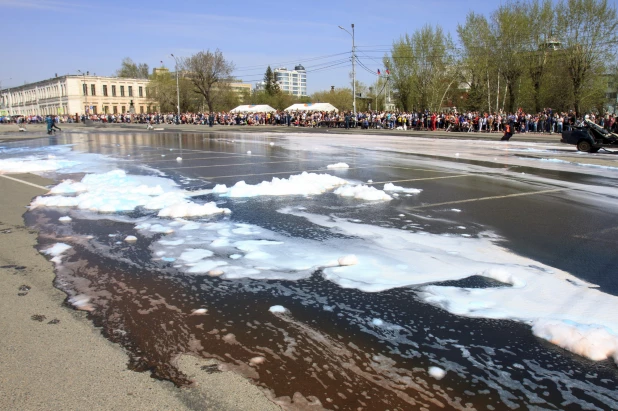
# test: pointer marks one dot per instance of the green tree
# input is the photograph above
(421, 68)
(588, 33)
(226, 98)
(478, 68)
(270, 84)
(340, 98)
(511, 35)
(209, 73)
(540, 47)
(162, 89)
(400, 65)
(279, 101)
(130, 69)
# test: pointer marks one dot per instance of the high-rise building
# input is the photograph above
(292, 81)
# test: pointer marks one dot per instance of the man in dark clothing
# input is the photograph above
(508, 129)
(51, 125)
(347, 120)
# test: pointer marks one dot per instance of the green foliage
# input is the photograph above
(130, 69)
(530, 54)
(479, 66)
(422, 68)
(209, 73)
(279, 101)
(270, 84)
(226, 98)
(588, 30)
(340, 98)
(162, 89)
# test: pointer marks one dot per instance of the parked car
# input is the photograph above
(590, 137)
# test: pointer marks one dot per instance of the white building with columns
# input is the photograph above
(77, 94)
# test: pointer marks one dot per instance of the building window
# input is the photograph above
(85, 89)
(106, 109)
(124, 109)
(122, 93)
(141, 109)
(115, 107)
(93, 90)
(113, 91)
(105, 90)
(130, 91)
(141, 91)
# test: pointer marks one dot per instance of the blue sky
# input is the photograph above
(44, 37)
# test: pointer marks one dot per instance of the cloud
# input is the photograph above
(42, 5)
(201, 18)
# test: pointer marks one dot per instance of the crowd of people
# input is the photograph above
(546, 121)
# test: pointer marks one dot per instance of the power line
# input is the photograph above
(360, 63)
(307, 68)
(324, 68)
(289, 62)
(336, 64)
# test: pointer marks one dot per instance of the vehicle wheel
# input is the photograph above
(584, 145)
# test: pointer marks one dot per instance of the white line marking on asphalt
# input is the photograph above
(158, 160)
(25, 182)
(330, 171)
(422, 179)
(229, 165)
(470, 200)
(282, 172)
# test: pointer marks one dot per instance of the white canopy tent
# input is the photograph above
(253, 108)
(312, 107)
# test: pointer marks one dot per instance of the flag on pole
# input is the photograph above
(388, 71)
(379, 72)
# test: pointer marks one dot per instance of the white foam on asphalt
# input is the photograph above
(559, 307)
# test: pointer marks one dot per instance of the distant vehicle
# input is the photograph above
(590, 137)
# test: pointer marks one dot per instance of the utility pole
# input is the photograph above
(353, 67)
(177, 89)
(387, 96)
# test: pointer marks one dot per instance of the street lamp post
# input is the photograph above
(177, 89)
(353, 67)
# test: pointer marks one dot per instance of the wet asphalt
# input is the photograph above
(540, 220)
